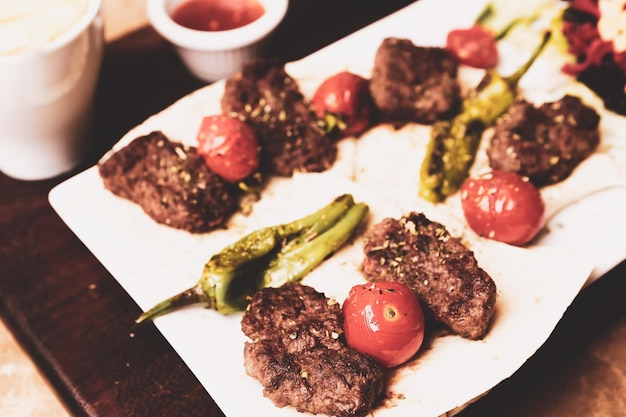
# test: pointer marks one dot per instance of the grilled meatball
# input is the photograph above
(298, 354)
(422, 255)
(171, 183)
(270, 101)
(414, 83)
(544, 143)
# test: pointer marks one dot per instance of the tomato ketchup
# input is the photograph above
(217, 15)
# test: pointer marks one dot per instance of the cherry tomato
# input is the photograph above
(475, 46)
(503, 206)
(229, 147)
(384, 320)
(344, 100)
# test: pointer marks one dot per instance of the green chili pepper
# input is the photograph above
(453, 143)
(489, 15)
(268, 257)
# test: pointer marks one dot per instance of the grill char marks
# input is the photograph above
(412, 83)
(268, 99)
(544, 143)
(171, 183)
(439, 268)
(298, 354)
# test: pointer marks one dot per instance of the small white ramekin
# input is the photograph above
(213, 55)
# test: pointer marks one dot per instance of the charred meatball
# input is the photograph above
(298, 353)
(414, 83)
(544, 143)
(421, 254)
(269, 100)
(171, 183)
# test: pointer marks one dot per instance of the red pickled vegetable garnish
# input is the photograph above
(584, 40)
(580, 36)
(587, 6)
(594, 55)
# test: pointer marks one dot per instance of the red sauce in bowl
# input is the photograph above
(217, 15)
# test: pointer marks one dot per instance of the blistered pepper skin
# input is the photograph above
(453, 144)
(268, 257)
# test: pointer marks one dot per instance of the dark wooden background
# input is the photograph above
(76, 322)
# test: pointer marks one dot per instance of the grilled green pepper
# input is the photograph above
(268, 257)
(489, 18)
(453, 143)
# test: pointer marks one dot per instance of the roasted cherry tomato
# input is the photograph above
(229, 147)
(344, 101)
(475, 46)
(384, 320)
(503, 206)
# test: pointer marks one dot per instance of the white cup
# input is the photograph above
(213, 55)
(46, 97)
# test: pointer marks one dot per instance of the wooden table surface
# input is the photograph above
(75, 322)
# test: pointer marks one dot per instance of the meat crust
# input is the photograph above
(297, 352)
(422, 255)
(171, 183)
(270, 101)
(414, 83)
(544, 143)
